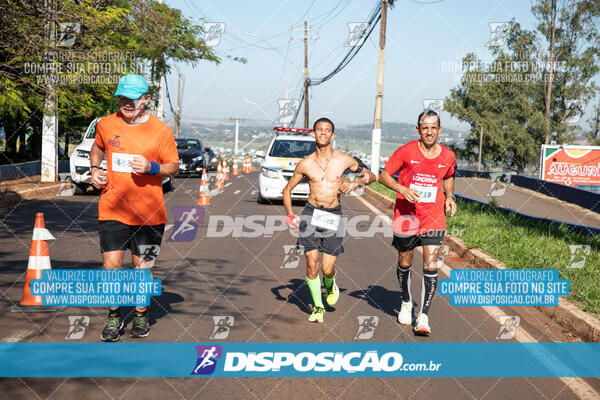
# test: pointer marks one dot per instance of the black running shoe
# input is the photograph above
(141, 326)
(113, 325)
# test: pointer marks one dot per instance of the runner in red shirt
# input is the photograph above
(424, 166)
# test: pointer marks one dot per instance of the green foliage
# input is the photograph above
(506, 99)
(141, 36)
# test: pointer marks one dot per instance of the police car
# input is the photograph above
(288, 147)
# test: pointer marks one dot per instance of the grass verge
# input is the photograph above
(523, 244)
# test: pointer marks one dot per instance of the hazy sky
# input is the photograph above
(425, 44)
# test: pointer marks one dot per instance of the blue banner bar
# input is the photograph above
(223, 359)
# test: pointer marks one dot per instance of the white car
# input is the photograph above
(80, 162)
(287, 148)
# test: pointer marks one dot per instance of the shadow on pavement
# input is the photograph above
(388, 301)
(299, 295)
(159, 307)
(60, 214)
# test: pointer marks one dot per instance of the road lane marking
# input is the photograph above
(17, 337)
(579, 386)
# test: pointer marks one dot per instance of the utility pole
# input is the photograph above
(305, 37)
(178, 113)
(237, 132)
(49, 161)
(305, 77)
(159, 101)
(376, 138)
(480, 146)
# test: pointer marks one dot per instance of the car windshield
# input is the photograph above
(292, 148)
(188, 144)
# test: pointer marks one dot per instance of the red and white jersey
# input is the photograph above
(424, 176)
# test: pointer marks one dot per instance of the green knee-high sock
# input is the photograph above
(314, 285)
(328, 282)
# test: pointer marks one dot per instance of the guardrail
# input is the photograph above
(10, 172)
(583, 198)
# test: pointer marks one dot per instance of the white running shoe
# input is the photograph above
(405, 314)
(422, 325)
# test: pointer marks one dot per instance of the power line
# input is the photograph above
(373, 19)
(353, 51)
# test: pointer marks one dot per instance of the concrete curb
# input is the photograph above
(567, 314)
(8, 198)
(382, 199)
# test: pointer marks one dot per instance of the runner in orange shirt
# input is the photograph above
(140, 150)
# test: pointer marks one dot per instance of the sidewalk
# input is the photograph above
(12, 192)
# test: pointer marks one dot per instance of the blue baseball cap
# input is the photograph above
(132, 86)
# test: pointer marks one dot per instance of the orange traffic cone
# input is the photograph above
(219, 172)
(226, 168)
(249, 167)
(203, 193)
(235, 171)
(203, 178)
(39, 260)
(245, 165)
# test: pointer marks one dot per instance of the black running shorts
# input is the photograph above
(325, 240)
(408, 243)
(115, 235)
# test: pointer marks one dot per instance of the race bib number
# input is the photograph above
(427, 193)
(325, 219)
(121, 162)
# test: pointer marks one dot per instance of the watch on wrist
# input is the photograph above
(452, 196)
(94, 166)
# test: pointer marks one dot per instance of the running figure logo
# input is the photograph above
(186, 223)
(357, 32)
(366, 326)
(77, 325)
(148, 254)
(579, 253)
(223, 323)
(66, 33)
(207, 359)
(443, 251)
(287, 110)
(498, 33)
(508, 327)
(498, 185)
(575, 110)
(213, 32)
(291, 255)
(436, 105)
(67, 187)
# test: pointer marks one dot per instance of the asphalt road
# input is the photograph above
(242, 277)
(527, 201)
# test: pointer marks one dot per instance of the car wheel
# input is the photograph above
(80, 188)
(260, 200)
(168, 186)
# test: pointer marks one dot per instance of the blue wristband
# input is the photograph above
(154, 168)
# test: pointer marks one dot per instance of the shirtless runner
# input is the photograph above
(320, 227)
